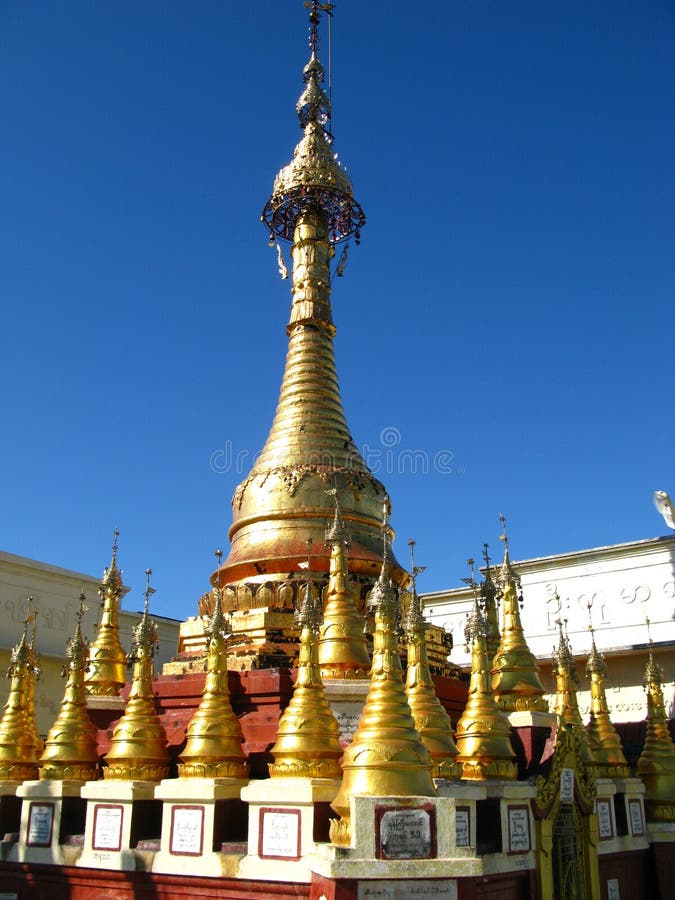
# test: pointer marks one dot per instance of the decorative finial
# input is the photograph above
(149, 591)
(337, 531)
(503, 536)
(116, 534)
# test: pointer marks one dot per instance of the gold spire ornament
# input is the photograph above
(566, 706)
(138, 748)
(489, 602)
(19, 748)
(213, 745)
(483, 733)
(308, 742)
(431, 720)
(107, 660)
(607, 757)
(515, 674)
(656, 764)
(70, 750)
(342, 646)
(386, 756)
(34, 675)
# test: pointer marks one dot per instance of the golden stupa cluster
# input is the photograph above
(328, 586)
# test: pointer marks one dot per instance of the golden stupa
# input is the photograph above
(70, 750)
(607, 756)
(19, 746)
(515, 674)
(107, 660)
(213, 738)
(431, 720)
(656, 765)
(386, 757)
(307, 743)
(566, 705)
(483, 733)
(138, 750)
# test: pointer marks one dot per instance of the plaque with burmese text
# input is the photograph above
(279, 833)
(637, 825)
(405, 832)
(605, 830)
(403, 889)
(40, 824)
(187, 831)
(519, 829)
(462, 826)
(108, 826)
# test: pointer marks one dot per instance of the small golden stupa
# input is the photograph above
(34, 675)
(656, 765)
(515, 674)
(608, 760)
(107, 660)
(566, 705)
(19, 747)
(386, 757)
(70, 748)
(483, 733)
(489, 603)
(138, 749)
(213, 745)
(431, 720)
(342, 646)
(308, 743)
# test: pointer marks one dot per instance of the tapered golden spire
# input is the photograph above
(342, 647)
(515, 674)
(566, 705)
(308, 743)
(608, 760)
(70, 748)
(489, 603)
(431, 720)
(19, 748)
(386, 757)
(656, 765)
(309, 447)
(138, 748)
(107, 661)
(213, 746)
(34, 675)
(483, 733)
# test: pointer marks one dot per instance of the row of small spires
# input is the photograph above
(404, 738)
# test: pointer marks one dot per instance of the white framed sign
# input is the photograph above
(462, 826)
(637, 825)
(187, 830)
(613, 892)
(519, 829)
(40, 824)
(108, 818)
(604, 811)
(279, 833)
(567, 786)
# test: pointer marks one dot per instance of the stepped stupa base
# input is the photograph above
(52, 822)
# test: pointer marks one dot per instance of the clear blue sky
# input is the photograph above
(510, 304)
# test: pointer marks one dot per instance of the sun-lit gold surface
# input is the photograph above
(386, 757)
(213, 746)
(19, 749)
(656, 765)
(107, 660)
(515, 674)
(482, 734)
(70, 750)
(488, 597)
(34, 675)
(307, 743)
(566, 705)
(342, 645)
(608, 760)
(138, 750)
(431, 721)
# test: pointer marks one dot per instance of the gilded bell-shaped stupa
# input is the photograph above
(515, 674)
(307, 743)
(19, 747)
(107, 660)
(483, 733)
(70, 750)
(566, 704)
(342, 646)
(432, 722)
(386, 756)
(607, 756)
(138, 750)
(656, 764)
(213, 738)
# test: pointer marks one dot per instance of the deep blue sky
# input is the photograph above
(511, 301)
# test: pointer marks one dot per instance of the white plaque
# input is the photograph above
(405, 834)
(637, 825)
(443, 889)
(280, 833)
(187, 830)
(567, 786)
(108, 826)
(40, 823)
(613, 892)
(604, 819)
(462, 827)
(519, 829)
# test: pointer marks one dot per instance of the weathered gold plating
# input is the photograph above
(566, 705)
(515, 674)
(431, 720)
(70, 750)
(138, 750)
(386, 757)
(656, 765)
(107, 660)
(483, 734)
(19, 749)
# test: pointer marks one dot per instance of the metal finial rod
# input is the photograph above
(148, 590)
(486, 556)
(116, 534)
(503, 536)
(82, 610)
